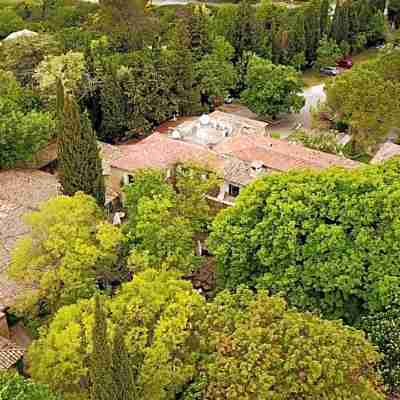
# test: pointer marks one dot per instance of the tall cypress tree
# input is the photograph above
(341, 23)
(101, 373)
(297, 41)
(244, 35)
(187, 95)
(123, 369)
(312, 29)
(324, 17)
(79, 160)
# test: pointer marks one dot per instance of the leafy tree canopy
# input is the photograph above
(69, 252)
(23, 130)
(258, 348)
(163, 222)
(272, 89)
(160, 314)
(14, 386)
(368, 99)
(327, 240)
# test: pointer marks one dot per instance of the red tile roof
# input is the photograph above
(10, 353)
(280, 155)
(160, 151)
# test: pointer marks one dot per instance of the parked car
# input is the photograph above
(345, 63)
(330, 71)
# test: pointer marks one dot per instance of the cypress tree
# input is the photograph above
(297, 41)
(79, 160)
(101, 373)
(245, 28)
(199, 33)
(324, 17)
(123, 371)
(341, 23)
(312, 29)
(187, 96)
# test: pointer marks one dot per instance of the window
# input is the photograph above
(234, 190)
(127, 179)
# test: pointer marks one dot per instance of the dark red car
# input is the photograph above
(345, 63)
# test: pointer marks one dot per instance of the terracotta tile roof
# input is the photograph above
(21, 191)
(160, 151)
(280, 155)
(237, 171)
(386, 151)
(10, 353)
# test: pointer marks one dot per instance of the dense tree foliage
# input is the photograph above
(69, 252)
(21, 56)
(79, 163)
(163, 224)
(15, 387)
(23, 128)
(239, 346)
(327, 241)
(272, 89)
(384, 331)
(160, 313)
(328, 53)
(367, 98)
(257, 348)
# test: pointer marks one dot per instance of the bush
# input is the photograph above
(14, 386)
(328, 241)
(384, 331)
(322, 141)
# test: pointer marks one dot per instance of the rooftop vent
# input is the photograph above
(204, 120)
(176, 134)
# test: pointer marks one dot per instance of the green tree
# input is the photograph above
(69, 68)
(272, 89)
(340, 29)
(257, 348)
(383, 330)
(243, 35)
(10, 22)
(100, 365)
(312, 29)
(326, 240)
(367, 101)
(127, 22)
(69, 250)
(23, 129)
(160, 314)
(124, 369)
(215, 74)
(163, 223)
(13, 386)
(23, 55)
(79, 160)
(376, 32)
(197, 23)
(324, 17)
(328, 53)
(297, 42)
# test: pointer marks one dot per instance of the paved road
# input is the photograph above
(313, 95)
